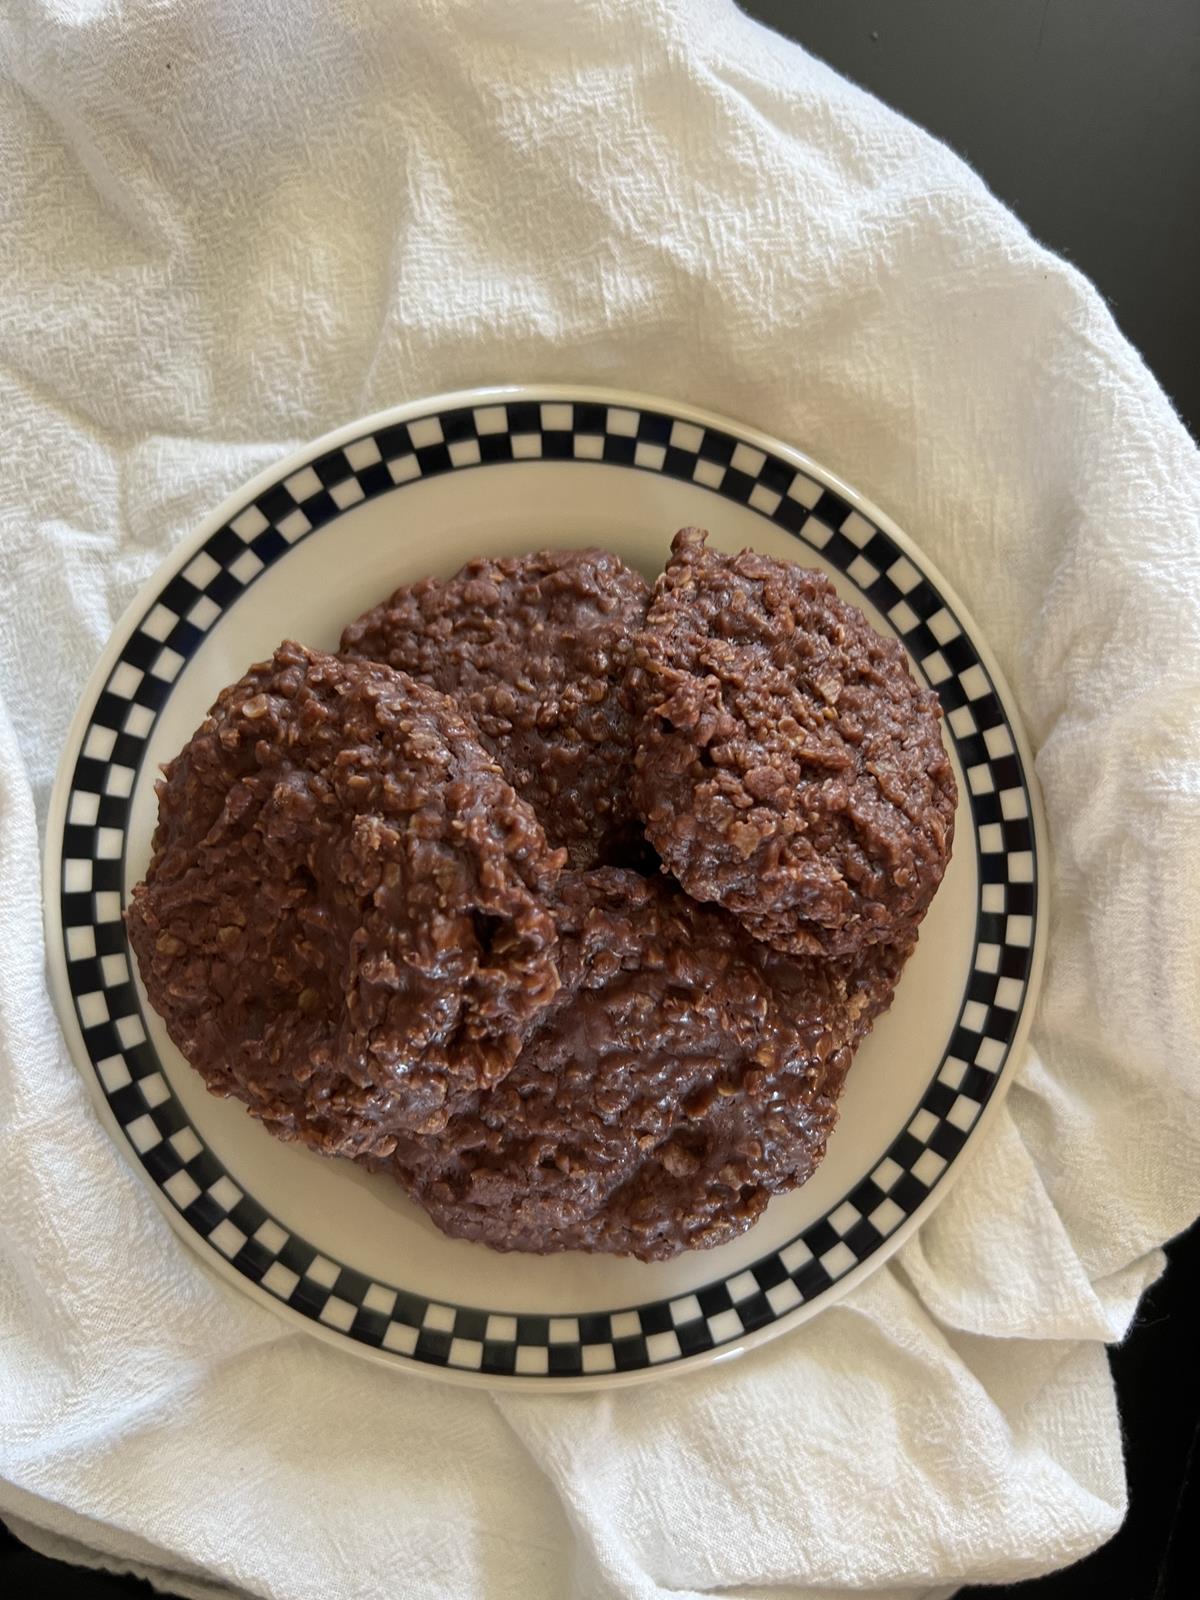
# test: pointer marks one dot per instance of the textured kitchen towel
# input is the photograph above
(229, 227)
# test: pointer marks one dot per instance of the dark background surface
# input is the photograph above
(1084, 117)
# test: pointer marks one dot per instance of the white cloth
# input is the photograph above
(229, 227)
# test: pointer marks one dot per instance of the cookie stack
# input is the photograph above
(563, 900)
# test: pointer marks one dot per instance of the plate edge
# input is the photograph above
(184, 551)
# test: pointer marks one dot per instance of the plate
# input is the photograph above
(305, 547)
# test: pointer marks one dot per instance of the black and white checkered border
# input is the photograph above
(106, 1001)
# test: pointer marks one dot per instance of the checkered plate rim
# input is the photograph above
(85, 873)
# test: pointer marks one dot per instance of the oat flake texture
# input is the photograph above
(344, 920)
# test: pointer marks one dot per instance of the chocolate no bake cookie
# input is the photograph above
(788, 766)
(345, 915)
(534, 649)
(681, 1076)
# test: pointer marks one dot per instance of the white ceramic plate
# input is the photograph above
(306, 547)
